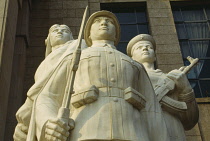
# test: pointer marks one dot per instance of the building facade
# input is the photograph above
(180, 28)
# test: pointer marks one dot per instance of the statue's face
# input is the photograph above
(59, 35)
(143, 51)
(103, 28)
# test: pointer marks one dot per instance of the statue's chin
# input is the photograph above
(59, 42)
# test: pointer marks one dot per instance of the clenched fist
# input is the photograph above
(56, 130)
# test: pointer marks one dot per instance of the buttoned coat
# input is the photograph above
(99, 106)
(104, 74)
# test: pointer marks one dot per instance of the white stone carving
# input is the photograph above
(48, 79)
(172, 89)
(113, 97)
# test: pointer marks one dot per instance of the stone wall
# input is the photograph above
(163, 30)
(16, 95)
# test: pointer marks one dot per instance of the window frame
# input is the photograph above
(193, 6)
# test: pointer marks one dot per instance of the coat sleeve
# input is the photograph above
(191, 116)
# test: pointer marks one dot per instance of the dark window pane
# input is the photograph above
(143, 29)
(122, 47)
(185, 49)
(205, 69)
(125, 15)
(193, 74)
(208, 50)
(128, 32)
(197, 30)
(195, 86)
(193, 33)
(208, 13)
(199, 48)
(205, 87)
(108, 9)
(193, 15)
(181, 31)
(177, 15)
(141, 16)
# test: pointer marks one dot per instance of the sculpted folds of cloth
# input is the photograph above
(113, 98)
(173, 85)
(50, 73)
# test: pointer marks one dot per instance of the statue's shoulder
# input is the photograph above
(89, 52)
(133, 62)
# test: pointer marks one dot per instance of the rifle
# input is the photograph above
(168, 102)
(193, 62)
(64, 111)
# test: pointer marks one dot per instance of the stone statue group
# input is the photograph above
(116, 97)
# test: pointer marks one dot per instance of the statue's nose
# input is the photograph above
(59, 31)
(145, 48)
(103, 23)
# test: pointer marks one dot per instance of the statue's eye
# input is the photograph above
(138, 48)
(150, 47)
(56, 30)
(64, 30)
(108, 21)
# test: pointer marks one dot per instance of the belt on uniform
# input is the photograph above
(91, 94)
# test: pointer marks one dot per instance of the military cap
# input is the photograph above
(140, 37)
(102, 13)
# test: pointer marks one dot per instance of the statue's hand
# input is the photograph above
(56, 130)
(169, 83)
(181, 81)
(20, 132)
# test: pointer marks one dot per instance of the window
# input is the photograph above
(193, 29)
(132, 19)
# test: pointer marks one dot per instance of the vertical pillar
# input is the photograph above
(16, 94)
(8, 21)
(164, 32)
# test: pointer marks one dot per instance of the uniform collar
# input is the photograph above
(103, 45)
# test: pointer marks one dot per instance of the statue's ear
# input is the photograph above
(46, 40)
(48, 46)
